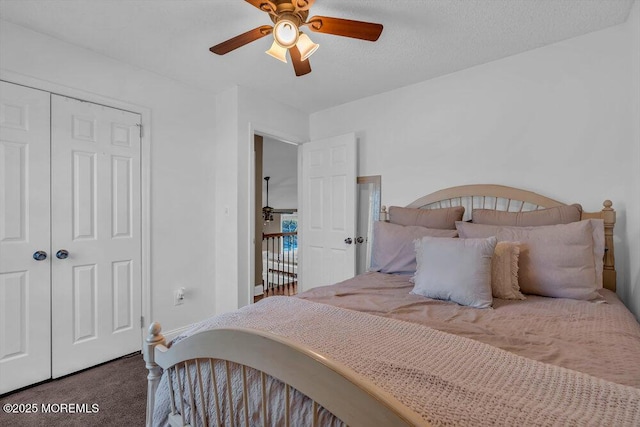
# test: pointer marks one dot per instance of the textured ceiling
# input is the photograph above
(421, 39)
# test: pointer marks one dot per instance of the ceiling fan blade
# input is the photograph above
(345, 27)
(300, 67)
(302, 4)
(241, 40)
(264, 5)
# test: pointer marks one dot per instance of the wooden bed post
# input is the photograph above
(154, 339)
(609, 273)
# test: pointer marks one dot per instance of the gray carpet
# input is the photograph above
(117, 389)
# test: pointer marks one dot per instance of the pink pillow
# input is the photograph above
(562, 261)
(470, 230)
(393, 250)
(443, 219)
(550, 216)
(504, 271)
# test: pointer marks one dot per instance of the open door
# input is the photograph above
(328, 217)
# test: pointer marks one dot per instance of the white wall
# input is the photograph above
(240, 114)
(556, 120)
(182, 158)
(280, 162)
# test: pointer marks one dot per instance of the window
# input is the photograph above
(289, 224)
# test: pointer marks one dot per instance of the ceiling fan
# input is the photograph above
(289, 16)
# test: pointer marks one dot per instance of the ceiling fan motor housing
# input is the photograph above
(297, 18)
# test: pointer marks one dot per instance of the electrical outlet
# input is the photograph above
(178, 296)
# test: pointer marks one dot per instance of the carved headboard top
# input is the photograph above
(486, 196)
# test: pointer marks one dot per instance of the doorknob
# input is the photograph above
(348, 240)
(62, 254)
(360, 239)
(40, 255)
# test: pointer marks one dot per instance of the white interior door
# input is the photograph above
(95, 189)
(328, 210)
(25, 324)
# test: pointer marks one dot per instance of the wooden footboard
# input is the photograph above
(332, 386)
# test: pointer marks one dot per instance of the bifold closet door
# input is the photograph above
(96, 241)
(25, 323)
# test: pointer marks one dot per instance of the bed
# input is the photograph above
(391, 347)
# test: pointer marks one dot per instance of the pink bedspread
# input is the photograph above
(602, 340)
(446, 379)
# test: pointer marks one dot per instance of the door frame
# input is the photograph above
(145, 168)
(262, 130)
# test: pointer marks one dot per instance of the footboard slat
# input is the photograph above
(172, 398)
(205, 417)
(192, 400)
(315, 414)
(263, 383)
(214, 380)
(245, 397)
(287, 409)
(181, 390)
(229, 392)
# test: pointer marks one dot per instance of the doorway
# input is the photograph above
(275, 217)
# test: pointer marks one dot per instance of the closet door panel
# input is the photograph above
(96, 291)
(25, 326)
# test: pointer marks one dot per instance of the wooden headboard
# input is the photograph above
(503, 198)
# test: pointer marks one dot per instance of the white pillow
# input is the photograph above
(457, 270)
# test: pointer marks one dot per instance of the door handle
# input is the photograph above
(348, 240)
(62, 254)
(360, 239)
(40, 255)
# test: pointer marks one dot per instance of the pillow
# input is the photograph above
(457, 270)
(556, 260)
(393, 250)
(504, 271)
(504, 268)
(471, 230)
(550, 216)
(443, 219)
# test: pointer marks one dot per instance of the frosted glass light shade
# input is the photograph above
(306, 46)
(277, 52)
(285, 32)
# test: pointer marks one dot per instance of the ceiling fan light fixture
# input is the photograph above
(278, 52)
(306, 46)
(285, 33)
(288, 17)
